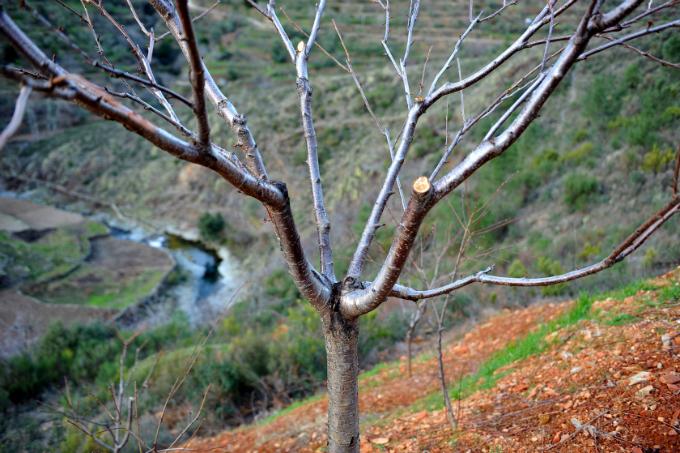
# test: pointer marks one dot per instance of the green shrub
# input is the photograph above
(279, 53)
(75, 353)
(580, 154)
(632, 76)
(82, 354)
(211, 225)
(588, 251)
(279, 285)
(517, 269)
(650, 257)
(381, 97)
(603, 99)
(670, 50)
(579, 190)
(656, 159)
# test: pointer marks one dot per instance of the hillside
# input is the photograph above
(611, 131)
(597, 374)
(597, 162)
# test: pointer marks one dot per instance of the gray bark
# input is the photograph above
(342, 358)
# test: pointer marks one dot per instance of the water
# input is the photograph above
(210, 283)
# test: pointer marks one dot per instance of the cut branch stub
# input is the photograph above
(421, 186)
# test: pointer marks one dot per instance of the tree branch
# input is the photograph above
(197, 74)
(414, 113)
(363, 301)
(323, 224)
(308, 281)
(117, 73)
(17, 117)
(629, 37)
(225, 109)
(315, 27)
(628, 246)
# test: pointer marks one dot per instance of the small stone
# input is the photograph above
(556, 438)
(666, 342)
(670, 378)
(642, 376)
(380, 440)
(575, 370)
(543, 419)
(644, 391)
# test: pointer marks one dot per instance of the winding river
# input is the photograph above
(209, 281)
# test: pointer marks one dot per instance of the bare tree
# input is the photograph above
(118, 424)
(340, 301)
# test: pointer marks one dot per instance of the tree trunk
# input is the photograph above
(343, 391)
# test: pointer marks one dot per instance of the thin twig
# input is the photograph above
(17, 117)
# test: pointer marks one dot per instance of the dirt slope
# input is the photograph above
(609, 382)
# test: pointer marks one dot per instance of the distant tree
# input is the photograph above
(341, 300)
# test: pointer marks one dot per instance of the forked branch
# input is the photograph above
(628, 246)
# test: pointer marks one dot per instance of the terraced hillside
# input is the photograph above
(59, 266)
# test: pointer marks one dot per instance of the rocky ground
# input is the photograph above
(607, 380)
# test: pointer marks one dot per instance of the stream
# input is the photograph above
(205, 282)
(209, 281)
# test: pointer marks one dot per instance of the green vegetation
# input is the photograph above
(279, 351)
(211, 226)
(621, 319)
(579, 191)
(121, 296)
(656, 159)
(52, 254)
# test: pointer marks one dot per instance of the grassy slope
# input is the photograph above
(571, 342)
